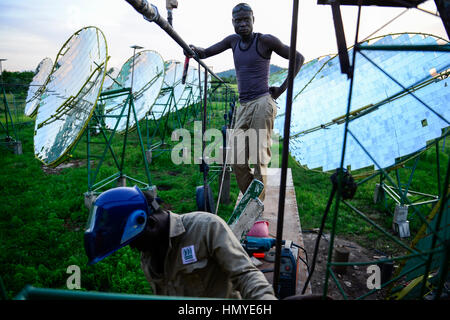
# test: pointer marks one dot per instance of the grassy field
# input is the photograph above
(42, 212)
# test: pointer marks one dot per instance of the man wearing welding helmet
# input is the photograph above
(193, 254)
(251, 54)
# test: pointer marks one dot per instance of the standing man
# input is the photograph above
(251, 53)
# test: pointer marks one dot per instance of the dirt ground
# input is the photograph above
(353, 281)
(64, 165)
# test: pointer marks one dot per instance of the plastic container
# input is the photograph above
(260, 229)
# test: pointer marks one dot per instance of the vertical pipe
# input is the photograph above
(141, 144)
(438, 168)
(339, 176)
(5, 102)
(285, 154)
(205, 173)
(132, 71)
(399, 184)
(88, 151)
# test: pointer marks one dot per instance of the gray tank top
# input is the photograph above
(252, 71)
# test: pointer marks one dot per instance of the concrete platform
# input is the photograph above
(291, 227)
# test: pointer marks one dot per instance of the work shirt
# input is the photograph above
(205, 259)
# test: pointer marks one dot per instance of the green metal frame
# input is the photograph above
(33, 293)
(192, 103)
(425, 257)
(226, 94)
(128, 110)
(11, 137)
(157, 140)
(403, 191)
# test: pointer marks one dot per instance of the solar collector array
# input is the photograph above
(147, 82)
(396, 128)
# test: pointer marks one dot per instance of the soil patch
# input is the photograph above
(164, 187)
(62, 166)
(354, 281)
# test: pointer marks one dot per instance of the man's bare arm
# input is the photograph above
(271, 43)
(217, 48)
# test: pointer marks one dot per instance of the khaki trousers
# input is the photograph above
(251, 141)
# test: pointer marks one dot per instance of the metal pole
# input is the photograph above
(132, 71)
(88, 152)
(141, 144)
(205, 173)
(438, 167)
(339, 190)
(4, 97)
(285, 155)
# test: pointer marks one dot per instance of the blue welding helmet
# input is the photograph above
(118, 216)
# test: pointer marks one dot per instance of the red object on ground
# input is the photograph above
(260, 229)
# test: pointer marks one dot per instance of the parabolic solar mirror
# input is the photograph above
(147, 82)
(70, 95)
(199, 86)
(37, 86)
(171, 91)
(191, 89)
(387, 122)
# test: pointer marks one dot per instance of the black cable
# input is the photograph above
(306, 264)
(304, 250)
(316, 248)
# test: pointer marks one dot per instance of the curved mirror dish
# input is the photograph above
(37, 86)
(171, 90)
(70, 95)
(385, 119)
(147, 82)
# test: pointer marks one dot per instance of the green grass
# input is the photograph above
(42, 215)
(313, 190)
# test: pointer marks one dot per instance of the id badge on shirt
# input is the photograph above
(188, 255)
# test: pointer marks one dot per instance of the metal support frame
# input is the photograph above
(151, 14)
(191, 103)
(285, 153)
(158, 138)
(159, 129)
(402, 192)
(440, 244)
(106, 140)
(11, 138)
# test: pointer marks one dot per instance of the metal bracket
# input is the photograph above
(400, 224)
(155, 12)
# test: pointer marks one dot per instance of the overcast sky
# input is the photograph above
(31, 30)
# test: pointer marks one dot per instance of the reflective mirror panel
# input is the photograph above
(386, 121)
(147, 81)
(70, 95)
(37, 86)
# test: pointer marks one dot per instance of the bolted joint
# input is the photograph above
(204, 167)
(152, 14)
(348, 183)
